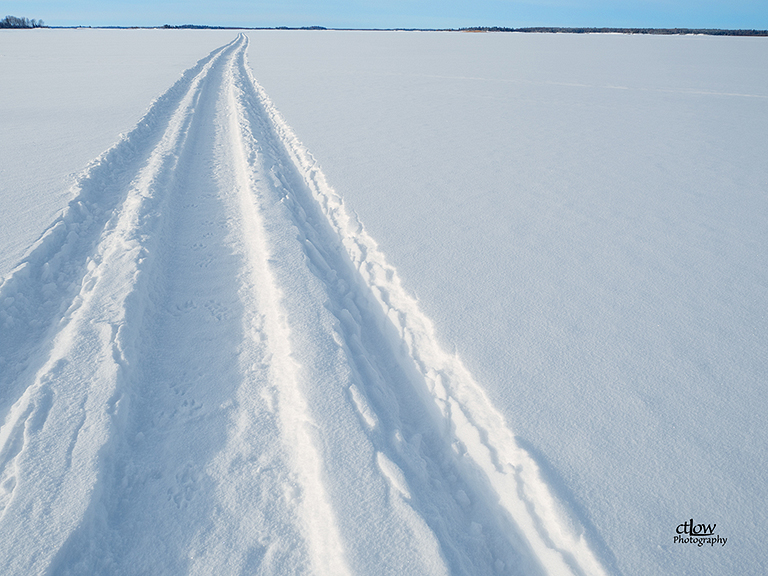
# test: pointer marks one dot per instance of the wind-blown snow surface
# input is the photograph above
(209, 366)
(584, 217)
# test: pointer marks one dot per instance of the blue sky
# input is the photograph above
(398, 13)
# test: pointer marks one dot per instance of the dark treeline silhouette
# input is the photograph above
(203, 27)
(663, 31)
(16, 22)
(195, 27)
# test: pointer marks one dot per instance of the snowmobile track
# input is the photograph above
(208, 367)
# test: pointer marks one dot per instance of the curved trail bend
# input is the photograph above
(209, 367)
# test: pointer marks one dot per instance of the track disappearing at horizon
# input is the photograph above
(207, 366)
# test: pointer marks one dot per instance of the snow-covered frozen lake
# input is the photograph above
(375, 303)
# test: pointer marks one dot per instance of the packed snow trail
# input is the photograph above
(209, 367)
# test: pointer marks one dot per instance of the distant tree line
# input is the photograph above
(194, 27)
(663, 31)
(202, 27)
(16, 22)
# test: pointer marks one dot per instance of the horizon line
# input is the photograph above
(679, 31)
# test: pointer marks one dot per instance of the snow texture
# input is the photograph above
(208, 365)
(583, 217)
(66, 96)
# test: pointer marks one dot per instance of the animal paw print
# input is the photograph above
(187, 484)
(217, 310)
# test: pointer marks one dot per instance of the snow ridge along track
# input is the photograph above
(209, 367)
